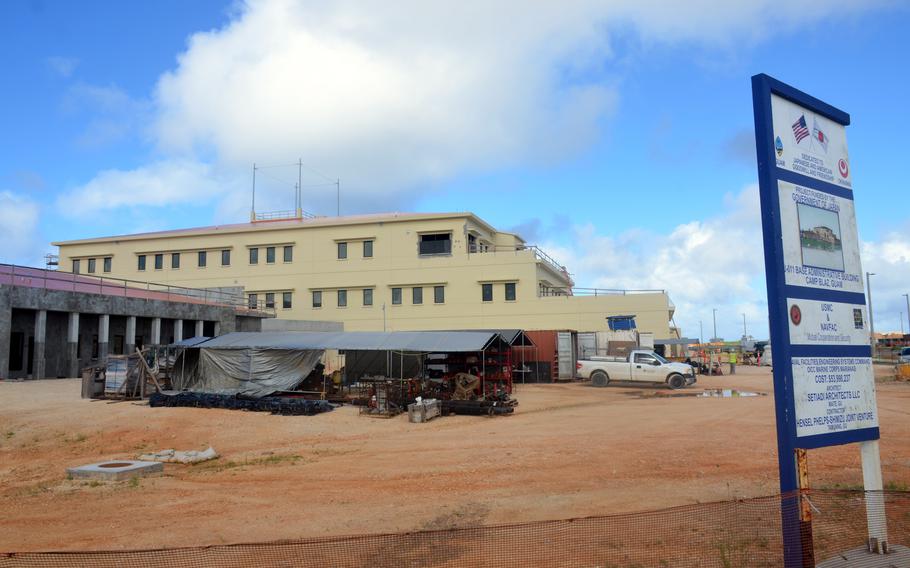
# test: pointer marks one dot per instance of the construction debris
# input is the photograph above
(423, 410)
(286, 406)
(175, 456)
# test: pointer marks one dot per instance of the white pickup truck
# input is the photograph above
(640, 366)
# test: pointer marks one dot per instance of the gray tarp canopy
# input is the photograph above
(413, 341)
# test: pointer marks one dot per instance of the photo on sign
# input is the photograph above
(857, 318)
(820, 237)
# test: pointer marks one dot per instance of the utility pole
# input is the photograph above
(908, 308)
(701, 332)
(744, 327)
(901, 318)
(871, 321)
(299, 194)
(715, 324)
(338, 194)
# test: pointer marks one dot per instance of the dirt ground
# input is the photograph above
(570, 450)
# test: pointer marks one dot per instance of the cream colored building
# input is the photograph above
(393, 271)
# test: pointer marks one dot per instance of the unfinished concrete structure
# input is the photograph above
(52, 324)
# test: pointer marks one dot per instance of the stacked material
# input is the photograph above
(287, 406)
(487, 407)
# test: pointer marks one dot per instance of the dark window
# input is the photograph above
(201, 260)
(288, 253)
(254, 256)
(438, 243)
(95, 346)
(118, 345)
(317, 298)
(417, 295)
(91, 266)
(286, 300)
(141, 259)
(367, 249)
(76, 267)
(107, 264)
(175, 260)
(367, 296)
(342, 298)
(342, 250)
(645, 359)
(225, 258)
(159, 261)
(270, 299)
(472, 243)
(510, 291)
(439, 294)
(270, 255)
(487, 292)
(396, 296)
(254, 301)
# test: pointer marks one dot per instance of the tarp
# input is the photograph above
(191, 342)
(410, 341)
(253, 372)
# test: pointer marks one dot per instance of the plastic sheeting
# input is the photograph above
(413, 341)
(253, 372)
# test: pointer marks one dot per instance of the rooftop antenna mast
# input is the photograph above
(253, 207)
(299, 208)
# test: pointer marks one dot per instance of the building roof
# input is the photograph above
(412, 341)
(279, 224)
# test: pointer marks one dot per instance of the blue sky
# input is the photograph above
(617, 136)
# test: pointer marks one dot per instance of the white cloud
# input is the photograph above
(163, 183)
(63, 66)
(889, 260)
(113, 113)
(19, 240)
(712, 263)
(391, 96)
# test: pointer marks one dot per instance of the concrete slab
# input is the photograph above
(116, 470)
(898, 557)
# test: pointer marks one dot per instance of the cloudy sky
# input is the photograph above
(617, 134)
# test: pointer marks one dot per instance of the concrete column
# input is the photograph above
(156, 332)
(199, 328)
(6, 326)
(130, 339)
(104, 336)
(39, 364)
(178, 331)
(72, 344)
(217, 328)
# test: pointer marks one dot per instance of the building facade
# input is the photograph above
(395, 272)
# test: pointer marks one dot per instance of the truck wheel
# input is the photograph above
(676, 381)
(599, 379)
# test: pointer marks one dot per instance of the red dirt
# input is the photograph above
(570, 450)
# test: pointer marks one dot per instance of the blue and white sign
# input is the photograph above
(823, 380)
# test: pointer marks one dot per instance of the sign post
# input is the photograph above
(824, 385)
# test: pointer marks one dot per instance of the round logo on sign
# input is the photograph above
(843, 168)
(796, 315)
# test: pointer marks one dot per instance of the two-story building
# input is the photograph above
(398, 271)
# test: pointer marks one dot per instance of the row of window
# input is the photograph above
(343, 250)
(201, 260)
(341, 296)
(269, 297)
(92, 265)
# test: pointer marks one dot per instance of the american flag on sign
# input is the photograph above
(800, 129)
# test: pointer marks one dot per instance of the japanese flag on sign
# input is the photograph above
(819, 137)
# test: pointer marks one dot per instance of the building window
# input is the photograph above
(270, 255)
(396, 296)
(342, 250)
(76, 266)
(175, 260)
(91, 266)
(367, 296)
(510, 291)
(417, 295)
(439, 294)
(317, 298)
(342, 298)
(159, 261)
(437, 243)
(270, 299)
(201, 261)
(487, 292)
(254, 301)
(141, 262)
(107, 264)
(254, 256)
(286, 300)
(225, 258)
(288, 253)
(367, 249)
